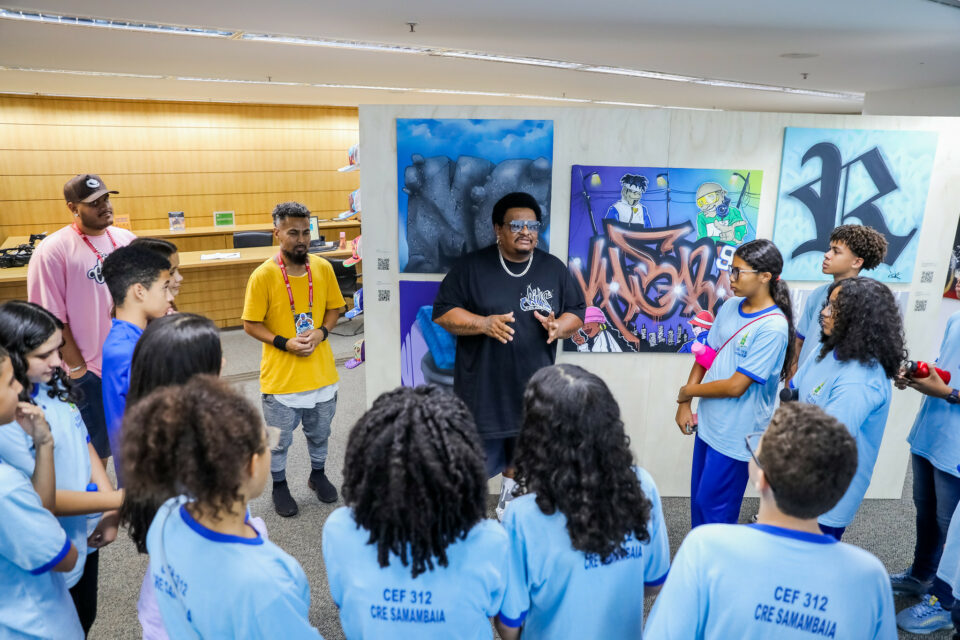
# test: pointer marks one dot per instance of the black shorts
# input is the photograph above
(498, 454)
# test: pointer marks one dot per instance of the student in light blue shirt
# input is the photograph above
(935, 457)
(853, 248)
(35, 551)
(140, 282)
(753, 339)
(781, 577)
(587, 534)
(862, 350)
(949, 571)
(34, 336)
(411, 556)
(203, 447)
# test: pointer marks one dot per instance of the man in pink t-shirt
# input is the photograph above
(64, 277)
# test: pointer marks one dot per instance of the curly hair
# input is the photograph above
(763, 255)
(573, 453)
(809, 459)
(865, 242)
(24, 327)
(414, 476)
(866, 325)
(286, 210)
(194, 439)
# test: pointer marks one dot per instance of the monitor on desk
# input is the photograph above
(314, 228)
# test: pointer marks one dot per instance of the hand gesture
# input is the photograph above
(301, 345)
(31, 419)
(106, 531)
(932, 385)
(550, 324)
(685, 419)
(497, 327)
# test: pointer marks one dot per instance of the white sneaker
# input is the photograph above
(506, 495)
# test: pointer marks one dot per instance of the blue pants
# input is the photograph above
(91, 410)
(935, 495)
(717, 484)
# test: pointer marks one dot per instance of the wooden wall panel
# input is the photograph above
(169, 156)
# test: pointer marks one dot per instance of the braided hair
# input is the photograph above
(414, 475)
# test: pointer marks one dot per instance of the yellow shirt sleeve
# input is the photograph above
(257, 297)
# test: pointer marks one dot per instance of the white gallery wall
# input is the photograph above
(646, 385)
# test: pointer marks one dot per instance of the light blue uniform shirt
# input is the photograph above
(216, 585)
(455, 601)
(949, 569)
(936, 431)
(808, 324)
(71, 460)
(758, 582)
(757, 352)
(556, 591)
(34, 601)
(858, 396)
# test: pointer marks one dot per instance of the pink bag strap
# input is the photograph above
(766, 315)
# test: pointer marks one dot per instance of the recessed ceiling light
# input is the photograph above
(798, 56)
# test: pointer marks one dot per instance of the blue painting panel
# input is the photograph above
(451, 172)
(830, 177)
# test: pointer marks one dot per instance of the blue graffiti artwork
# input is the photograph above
(450, 173)
(830, 177)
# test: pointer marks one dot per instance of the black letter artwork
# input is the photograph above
(823, 205)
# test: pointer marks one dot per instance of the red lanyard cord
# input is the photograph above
(286, 281)
(83, 236)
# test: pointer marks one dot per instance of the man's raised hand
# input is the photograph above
(497, 327)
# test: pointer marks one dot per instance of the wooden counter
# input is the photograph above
(212, 288)
(217, 238)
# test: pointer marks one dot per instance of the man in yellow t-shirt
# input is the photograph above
(292, 303)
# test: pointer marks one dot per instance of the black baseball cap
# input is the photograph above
(85, 187)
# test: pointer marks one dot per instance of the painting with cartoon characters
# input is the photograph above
(651, 248)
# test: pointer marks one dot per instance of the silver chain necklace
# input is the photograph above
(511, 273)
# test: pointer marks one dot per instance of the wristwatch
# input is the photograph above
(953, 397)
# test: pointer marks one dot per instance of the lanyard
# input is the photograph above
(83, 236)
(286, 281)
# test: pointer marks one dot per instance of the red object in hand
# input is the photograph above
(920, 369)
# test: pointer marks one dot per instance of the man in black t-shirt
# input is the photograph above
(507, 304)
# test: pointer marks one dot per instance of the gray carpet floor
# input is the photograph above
(883, 527)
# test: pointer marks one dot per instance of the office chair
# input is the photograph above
(347, 281)
(244, 239)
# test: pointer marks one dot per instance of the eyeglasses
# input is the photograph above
(753, 441)
(736, 271)
(519, 225)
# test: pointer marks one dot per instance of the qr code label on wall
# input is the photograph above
(920, 305)
(926, 277)
(383, 295)
(383, 264)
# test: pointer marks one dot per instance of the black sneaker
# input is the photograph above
(324, 489)
(283, 502)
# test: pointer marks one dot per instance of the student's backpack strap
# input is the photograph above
(766, 315)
